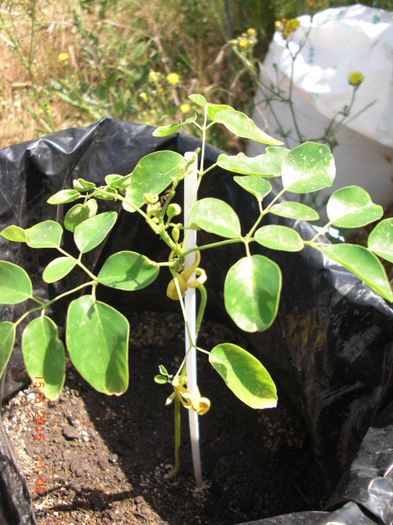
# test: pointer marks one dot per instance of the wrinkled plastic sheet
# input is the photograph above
(330, 348)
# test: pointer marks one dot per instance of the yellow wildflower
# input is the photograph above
(243, 42)
(143, 96)
(153, 77)
(173, 79)
(63, 57)
(355, 78)
(185, 108)
(290, 26)
(251, 32)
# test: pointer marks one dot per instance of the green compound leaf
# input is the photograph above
(79, 213)
(294, 210)
(91, 232)
(244, 375)
(242, 126)
(352, 207)
(307, 168)
(153, 174)
(256, 185)
(215, 216)
(164, 131)
(57, 269)
(268, 164)
(14, 233)
(128, 271)
(363, 264)
(44, 355)
(279, 238)
(64, 196)
(380, 240)
(7, 340)
(46, 234)
(252, 292)
(15, 284)
(97, 341)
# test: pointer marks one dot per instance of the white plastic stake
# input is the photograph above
(190, 183)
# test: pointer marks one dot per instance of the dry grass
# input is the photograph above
(174, 41)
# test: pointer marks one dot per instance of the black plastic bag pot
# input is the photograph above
(330, 348)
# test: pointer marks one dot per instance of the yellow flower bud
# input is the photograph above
(355, 78)
(243, 42)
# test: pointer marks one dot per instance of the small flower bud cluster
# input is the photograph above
(287, 26)
(246, 40)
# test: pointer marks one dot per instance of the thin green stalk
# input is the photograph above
(79, 263)
(44, 306)
(176, 466)
(183, 311)
(213, 245)
(321, 232)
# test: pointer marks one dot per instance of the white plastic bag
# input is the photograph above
(341, 40)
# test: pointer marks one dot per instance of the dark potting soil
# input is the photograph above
(105, 459)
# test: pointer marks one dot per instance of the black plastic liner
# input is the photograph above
(330, 348)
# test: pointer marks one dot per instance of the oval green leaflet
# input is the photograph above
(128, 271)
(256, 185)
(215, 216)
(58, 269)
(278, 237)
(91, 232)
(352, 207)
(83, 185)
(64, 196)
(242, 126)
(362, 263)
(307, 168)
(153, 174)
(252, 291)
(15, 284)
(14, 233)
(268, 164)
(79, 213)
(244, 375)
(46, 234)
(44, 355)
(97, 340)
(294, 210)
(380, 240)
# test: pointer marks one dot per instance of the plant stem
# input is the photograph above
(213, 245)
(79, 263)
(175, 468)
(44, 306)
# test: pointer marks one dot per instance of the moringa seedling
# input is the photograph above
(97, 335)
